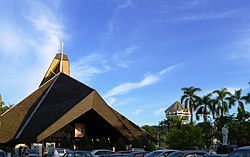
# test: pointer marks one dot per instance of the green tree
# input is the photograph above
(120, 144)
(84, 143)
(103, 143)
(137, 144)
(186, 137)
(151, 130)
(207, 133)
(239, 129)
(67, 142)
(205, 107)
(238, 99)
(221, 101)
(150, 146)
(189, 98)
(169, 123)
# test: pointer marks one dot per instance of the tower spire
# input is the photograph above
(62, 45)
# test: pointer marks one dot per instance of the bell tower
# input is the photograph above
(59, 64)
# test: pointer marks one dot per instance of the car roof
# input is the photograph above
(245, 147)
(191, 151)
(96, 150)
(84, 151)
(165, 150)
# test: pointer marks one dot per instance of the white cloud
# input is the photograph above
(162, 72)
(122, 58)
(241, 49)
(88, 66)
(111, 101)
(28, 47)
(126, 4)
(160, 111)
(137, 111)
(126, 87)
(148, 80)
(208, 16)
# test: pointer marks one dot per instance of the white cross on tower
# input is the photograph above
(62, 45)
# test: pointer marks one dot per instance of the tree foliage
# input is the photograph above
(186, 137)
(151, 130)
(103, 143)
(189, 98)
(137, 144)
(150, 146)
(239, 127)
(84, 143)
(67, 142)
(221, 102)
(120, 144)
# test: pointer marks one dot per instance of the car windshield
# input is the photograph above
(176, 154)
(240, 153)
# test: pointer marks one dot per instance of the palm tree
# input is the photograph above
(238, 99)
(189, 98)
(221, 101)
(205, 107)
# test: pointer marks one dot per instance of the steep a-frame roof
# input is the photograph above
(54, 105)
(12, 119)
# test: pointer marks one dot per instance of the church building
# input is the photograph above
(64, 106)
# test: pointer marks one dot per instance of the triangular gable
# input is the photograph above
(127, 128)
(65, 93)
(79, 109)
(12, 119)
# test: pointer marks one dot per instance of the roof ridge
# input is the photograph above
(40, 102)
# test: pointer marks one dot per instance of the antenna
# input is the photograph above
(62, 45)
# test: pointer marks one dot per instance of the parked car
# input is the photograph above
(57, 152)
(100, 152)
(160, 153)
(31, 153)
(2, 153)
(189, 153)
(130, 153)
(241, 152)
(78, 153)
(216, 155)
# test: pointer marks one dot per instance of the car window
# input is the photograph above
(176, 154)
(2, 154)
(153, 154)
(190, 155)
(165, 154)
(102, 152)
(201, 154)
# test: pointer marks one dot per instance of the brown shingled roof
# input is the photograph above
(57, 103)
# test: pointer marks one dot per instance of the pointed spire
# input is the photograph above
(62, 45)
(1, 104)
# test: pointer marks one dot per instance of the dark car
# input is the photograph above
(31, 153)
(78, 153)
(189, 153)
(160, 153)
(241, 152)
(2, 153)
(130, 153)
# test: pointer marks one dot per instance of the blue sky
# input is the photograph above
(136, 54)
